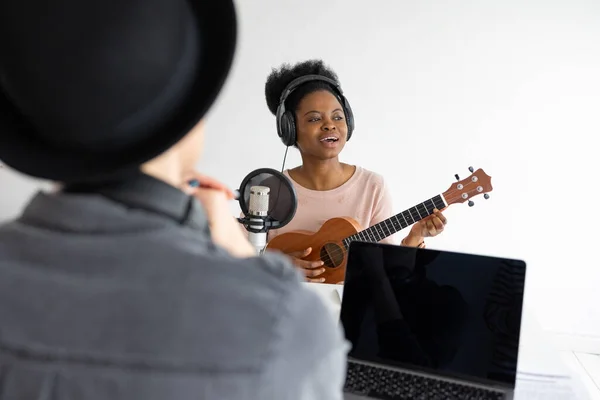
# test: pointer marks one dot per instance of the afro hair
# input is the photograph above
(280, 78)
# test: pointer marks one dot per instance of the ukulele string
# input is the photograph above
(340, 251)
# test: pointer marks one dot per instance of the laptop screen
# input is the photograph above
(449, 313)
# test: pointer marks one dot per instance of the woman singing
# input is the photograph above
(318, 123)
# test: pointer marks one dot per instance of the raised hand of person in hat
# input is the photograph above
(225, 230)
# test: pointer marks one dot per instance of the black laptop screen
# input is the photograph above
(452, 313)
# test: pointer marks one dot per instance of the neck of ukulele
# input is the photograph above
(388, 227)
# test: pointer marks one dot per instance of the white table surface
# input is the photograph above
(542, 374)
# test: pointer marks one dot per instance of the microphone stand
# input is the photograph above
(257, 228)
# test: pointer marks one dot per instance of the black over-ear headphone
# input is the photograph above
(286, 121)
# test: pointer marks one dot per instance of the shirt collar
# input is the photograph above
(140, 192)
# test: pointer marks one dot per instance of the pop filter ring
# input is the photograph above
(268, 221)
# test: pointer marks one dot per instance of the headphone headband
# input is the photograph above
(293, 85)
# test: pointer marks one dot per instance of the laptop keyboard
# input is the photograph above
(396, 385)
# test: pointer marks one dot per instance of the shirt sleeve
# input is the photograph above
(384, 209)
(308, 358)
(327, 378)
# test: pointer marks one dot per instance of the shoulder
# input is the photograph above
(370, 176)
(272, 271)
(261, 309)
(371, 181)
(284, 320)
(268, 285)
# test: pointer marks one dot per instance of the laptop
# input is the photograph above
(426, 324)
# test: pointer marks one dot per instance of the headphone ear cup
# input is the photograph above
(288, 129)
(349, 118)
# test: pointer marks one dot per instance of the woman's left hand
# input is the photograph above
(431, 226)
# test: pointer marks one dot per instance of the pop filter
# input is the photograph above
(268, 200)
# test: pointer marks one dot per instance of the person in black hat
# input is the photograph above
(126, 282)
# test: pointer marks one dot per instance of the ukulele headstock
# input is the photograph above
(464, 190)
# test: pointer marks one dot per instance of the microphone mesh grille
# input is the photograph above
(259, 201)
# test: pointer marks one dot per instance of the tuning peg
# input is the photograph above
(456, 176)
(471, 169)
(486, 196)
(471, 204)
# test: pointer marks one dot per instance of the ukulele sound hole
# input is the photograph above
(332, 255)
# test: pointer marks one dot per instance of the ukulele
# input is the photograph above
(330, 244)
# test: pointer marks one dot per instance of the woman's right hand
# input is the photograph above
(311, 269)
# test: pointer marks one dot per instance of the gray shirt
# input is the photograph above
(101, 300)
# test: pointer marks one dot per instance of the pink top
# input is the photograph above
(364, 197)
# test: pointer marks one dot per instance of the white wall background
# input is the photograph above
(512, 87)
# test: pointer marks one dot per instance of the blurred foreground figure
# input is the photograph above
(128, 283)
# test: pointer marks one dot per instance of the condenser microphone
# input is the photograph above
(258, 211)
(268, 201)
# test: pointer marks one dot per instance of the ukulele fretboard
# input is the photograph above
(398, 222)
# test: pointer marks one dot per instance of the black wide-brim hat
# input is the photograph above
(95, 89)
